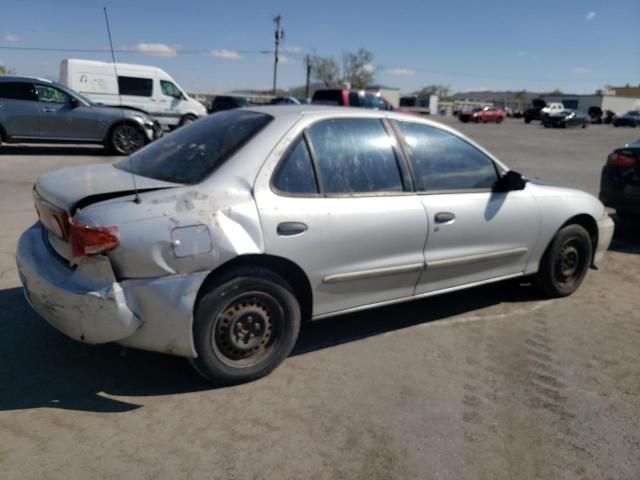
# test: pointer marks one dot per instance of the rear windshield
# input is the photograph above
(190, 154)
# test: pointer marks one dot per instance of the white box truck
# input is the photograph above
(141, 87)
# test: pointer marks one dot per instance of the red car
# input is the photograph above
(484, 115)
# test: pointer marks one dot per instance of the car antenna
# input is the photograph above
(115, 69)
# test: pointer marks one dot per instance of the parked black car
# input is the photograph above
(620, 182)
(227, 102)
(608, 117)
(533, 113)
(629, 119)
(566, 118)
(595, 114)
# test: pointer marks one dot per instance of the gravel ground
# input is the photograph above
(491, 383)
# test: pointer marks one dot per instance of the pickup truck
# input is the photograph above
(552, 109)
(539, 109)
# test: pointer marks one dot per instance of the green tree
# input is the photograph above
(556, 91)
(325, 70)
(357, 68)
(5, 71)
(521, 95)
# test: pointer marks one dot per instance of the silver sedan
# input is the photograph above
(217, 241)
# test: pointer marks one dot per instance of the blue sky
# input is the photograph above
(574, 45)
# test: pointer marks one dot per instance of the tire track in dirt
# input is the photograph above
(514, 396)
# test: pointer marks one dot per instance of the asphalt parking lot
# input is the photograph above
(491, 383)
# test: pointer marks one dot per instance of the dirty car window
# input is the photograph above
(190, 154)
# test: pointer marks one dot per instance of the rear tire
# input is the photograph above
(245, 325)
(565, 262)
(187, 119)
(125, 139)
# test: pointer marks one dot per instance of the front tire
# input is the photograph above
(245, 326)
(126, 138)
(565, 262)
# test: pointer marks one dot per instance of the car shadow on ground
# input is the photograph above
(60, 150)
(40, 367)
(626, 238)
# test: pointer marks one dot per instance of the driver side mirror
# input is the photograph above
(509, 182)
(73, 102)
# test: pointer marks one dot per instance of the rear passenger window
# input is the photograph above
(295, 174)
(17, 91)
(447, 162)
(355, 155)
(138, 87)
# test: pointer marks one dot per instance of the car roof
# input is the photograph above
(293, 112)
(23, 78)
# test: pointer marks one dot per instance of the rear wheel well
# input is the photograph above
(590, 225)
(288, 270)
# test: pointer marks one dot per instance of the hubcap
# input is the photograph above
(247, 328)
(568, 263)
(128, 139)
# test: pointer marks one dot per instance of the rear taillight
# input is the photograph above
(54, 219)
(88, 240)
(620, 160)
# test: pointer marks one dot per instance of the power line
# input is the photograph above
(157, 52)
(221, 52)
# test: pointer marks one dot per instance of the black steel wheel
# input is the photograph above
(126, 138)
(565, 262)
(245, 326)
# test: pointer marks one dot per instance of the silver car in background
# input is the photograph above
(38, 110)
(250, 221)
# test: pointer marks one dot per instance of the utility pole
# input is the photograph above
(279, 36)
(307, 62)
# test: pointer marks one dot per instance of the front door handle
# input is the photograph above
(48, 109)
(286, 229)
(444, 217)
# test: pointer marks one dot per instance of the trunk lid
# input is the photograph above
(68, 187)
(58, 195)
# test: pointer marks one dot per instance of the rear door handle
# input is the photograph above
(286, 229)
(444, 217)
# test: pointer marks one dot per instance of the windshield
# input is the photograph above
(191, 154)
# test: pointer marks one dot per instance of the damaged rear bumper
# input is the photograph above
(85, 303)
(88, 304)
